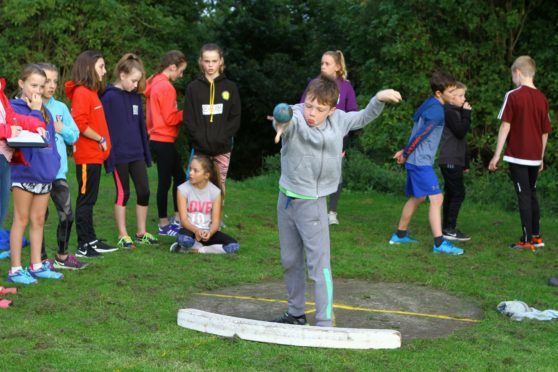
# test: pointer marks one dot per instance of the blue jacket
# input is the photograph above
(427, 130)
(126, 124)
(42, 164)
(67, 136)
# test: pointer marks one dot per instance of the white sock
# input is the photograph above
(36, 267)
(15, 269)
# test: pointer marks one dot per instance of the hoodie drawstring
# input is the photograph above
(211, 99)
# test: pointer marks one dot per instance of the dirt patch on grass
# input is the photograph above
(415, 311)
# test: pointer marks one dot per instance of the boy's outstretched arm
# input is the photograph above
(389, 96)
(359, 119)
(502, 135)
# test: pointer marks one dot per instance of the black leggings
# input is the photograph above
(122, 173)
(525, 183)
(217, 238)
(89, 179)
(454, 194)
(169, 168)
(60, 195)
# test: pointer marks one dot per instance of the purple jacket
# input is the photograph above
(42, 164)
(347, 98)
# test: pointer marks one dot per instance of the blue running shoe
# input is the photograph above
(45, 272)
(447, 247)
(404, 240)
(231, 248)
(169, 230)
(21, 277)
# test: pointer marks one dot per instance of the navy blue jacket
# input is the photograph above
(41, 164)
(126, 124)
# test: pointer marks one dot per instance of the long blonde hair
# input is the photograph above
(339, 59)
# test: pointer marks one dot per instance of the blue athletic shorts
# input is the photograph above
(421, 181)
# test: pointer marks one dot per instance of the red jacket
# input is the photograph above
(163, 117)
(29, 123)
(88, 112)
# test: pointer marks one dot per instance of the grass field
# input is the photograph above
(120, 313)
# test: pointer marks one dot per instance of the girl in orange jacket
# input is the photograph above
(163, 121)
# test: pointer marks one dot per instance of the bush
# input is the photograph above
(362, 173)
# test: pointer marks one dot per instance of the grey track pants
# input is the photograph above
(304, 230)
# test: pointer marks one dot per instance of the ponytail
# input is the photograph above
(339, 59)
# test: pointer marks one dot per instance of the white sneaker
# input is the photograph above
(332, 217)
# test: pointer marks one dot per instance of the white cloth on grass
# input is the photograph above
(519, 310)
(215, 248)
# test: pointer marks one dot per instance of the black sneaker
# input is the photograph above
(102, 247)
(455, 235)
(287, 318)
(177, 248)
(87, 251)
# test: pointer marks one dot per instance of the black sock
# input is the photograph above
(401, 233)
(438, 241)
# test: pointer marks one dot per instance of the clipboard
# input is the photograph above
(27, 139)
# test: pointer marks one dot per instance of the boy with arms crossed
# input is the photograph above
(310, 170)
(525, 127)
(418, 157)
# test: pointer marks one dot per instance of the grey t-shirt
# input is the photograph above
(199, 203)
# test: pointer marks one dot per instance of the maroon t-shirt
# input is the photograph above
(526, 109)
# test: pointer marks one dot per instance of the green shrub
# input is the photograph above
(363, 172)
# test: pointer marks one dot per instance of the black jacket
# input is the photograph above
(453, 146)
(211, 126)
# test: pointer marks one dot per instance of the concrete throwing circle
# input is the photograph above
(415, 311)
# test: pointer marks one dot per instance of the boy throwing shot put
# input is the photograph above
(418, 157)
(310, 169)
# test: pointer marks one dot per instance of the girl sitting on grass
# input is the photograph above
(199, 207)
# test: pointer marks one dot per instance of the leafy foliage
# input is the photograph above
(273, 48)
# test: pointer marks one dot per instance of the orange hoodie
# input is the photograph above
(88, 112)
(163, 117)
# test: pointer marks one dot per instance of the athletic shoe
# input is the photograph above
(70, 263)
(447, 247)
(87, 251)
(231, 248)
(523, 246)
(102, 247)
(21, 277)
(126, 242)
(537, 241)
(287, 318)
(147, 239)
(332, 217)
(177, 248)
(404, 240)
(168, 230)
(49, 263)
(455, 235)
(45, 272)
(175, 222)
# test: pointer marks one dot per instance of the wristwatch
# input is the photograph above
(102, 140)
